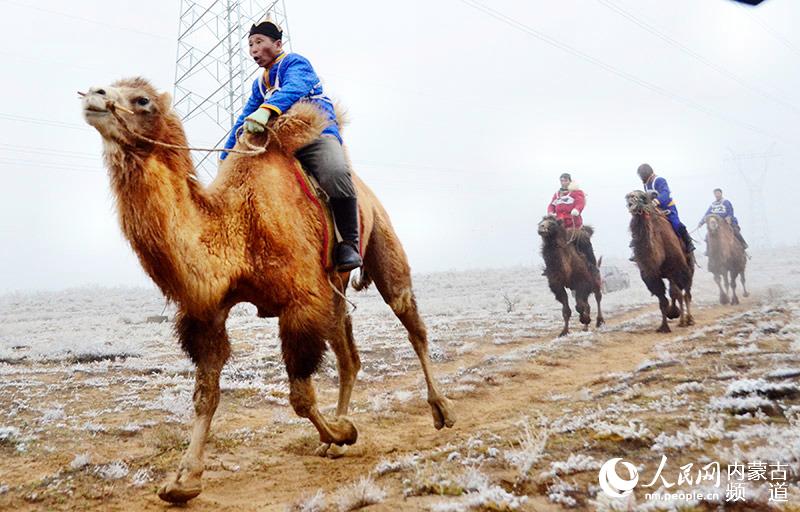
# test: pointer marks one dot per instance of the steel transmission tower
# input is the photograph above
(214, 71)
(755, 179)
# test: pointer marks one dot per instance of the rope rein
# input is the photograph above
(113, 107)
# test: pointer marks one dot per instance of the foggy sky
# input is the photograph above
(460, 122)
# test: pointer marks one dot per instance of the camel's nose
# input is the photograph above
(97, 90)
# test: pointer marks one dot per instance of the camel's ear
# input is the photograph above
(166, 99)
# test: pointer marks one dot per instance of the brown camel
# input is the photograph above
(567, 267)
(251, 236)
(660, 255)
(725, 256)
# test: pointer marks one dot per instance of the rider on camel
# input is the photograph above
(724, 209)
(566, 206)
(287, 79)
(658, 189)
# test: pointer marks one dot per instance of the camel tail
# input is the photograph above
(361, 282)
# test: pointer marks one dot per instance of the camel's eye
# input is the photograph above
(143, 101)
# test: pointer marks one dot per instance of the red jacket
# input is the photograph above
(563, 202)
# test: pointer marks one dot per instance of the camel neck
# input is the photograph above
(163, 214)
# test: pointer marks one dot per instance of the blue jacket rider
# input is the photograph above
(287, 79)
(658, 189)
(724, 209)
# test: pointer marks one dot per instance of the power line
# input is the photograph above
(771, 31)
(622, 74)
(43, 122)
(86, 20)
(719, 69)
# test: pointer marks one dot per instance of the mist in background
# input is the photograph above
(462, 119)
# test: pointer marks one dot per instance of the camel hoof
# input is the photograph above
(690, 321)
(344, 430)
(174, 491)
(564, 333)
(746, 294)
(443, 415)
(331, 451)
(663, 328)
(600, 321)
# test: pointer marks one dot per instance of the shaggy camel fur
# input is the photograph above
(566, 267)
(725, 256)
(660, 255)
(251, 236)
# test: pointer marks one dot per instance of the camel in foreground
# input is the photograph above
(251, 236)
(566, 267)
(660, 255)
(726, 255)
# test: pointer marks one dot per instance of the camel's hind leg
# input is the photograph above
(302, 345)
(687, 298)
(208, 346)
(385, 262)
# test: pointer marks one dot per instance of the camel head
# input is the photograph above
(141, 108)
(549, 226)
(638, 202)
(712, 224)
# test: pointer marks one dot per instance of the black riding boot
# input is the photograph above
(345, 214)
(738, 234)
(687, 239)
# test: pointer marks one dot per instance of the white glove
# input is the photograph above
(574, 212)
(257, 121)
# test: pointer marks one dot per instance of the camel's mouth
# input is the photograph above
(94, 111)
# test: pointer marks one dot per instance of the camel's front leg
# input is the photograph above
(727, 283)
(583, 308)
(687, 297)
(676, 294)
(598, 295)
(723, 297)
(208, 346)
(566, 312)
(302, 345)
(734, 298)
(348, 364)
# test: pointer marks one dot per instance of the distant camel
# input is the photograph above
(725, 256)
(569, 263)
(251, 236)
(661, 255)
